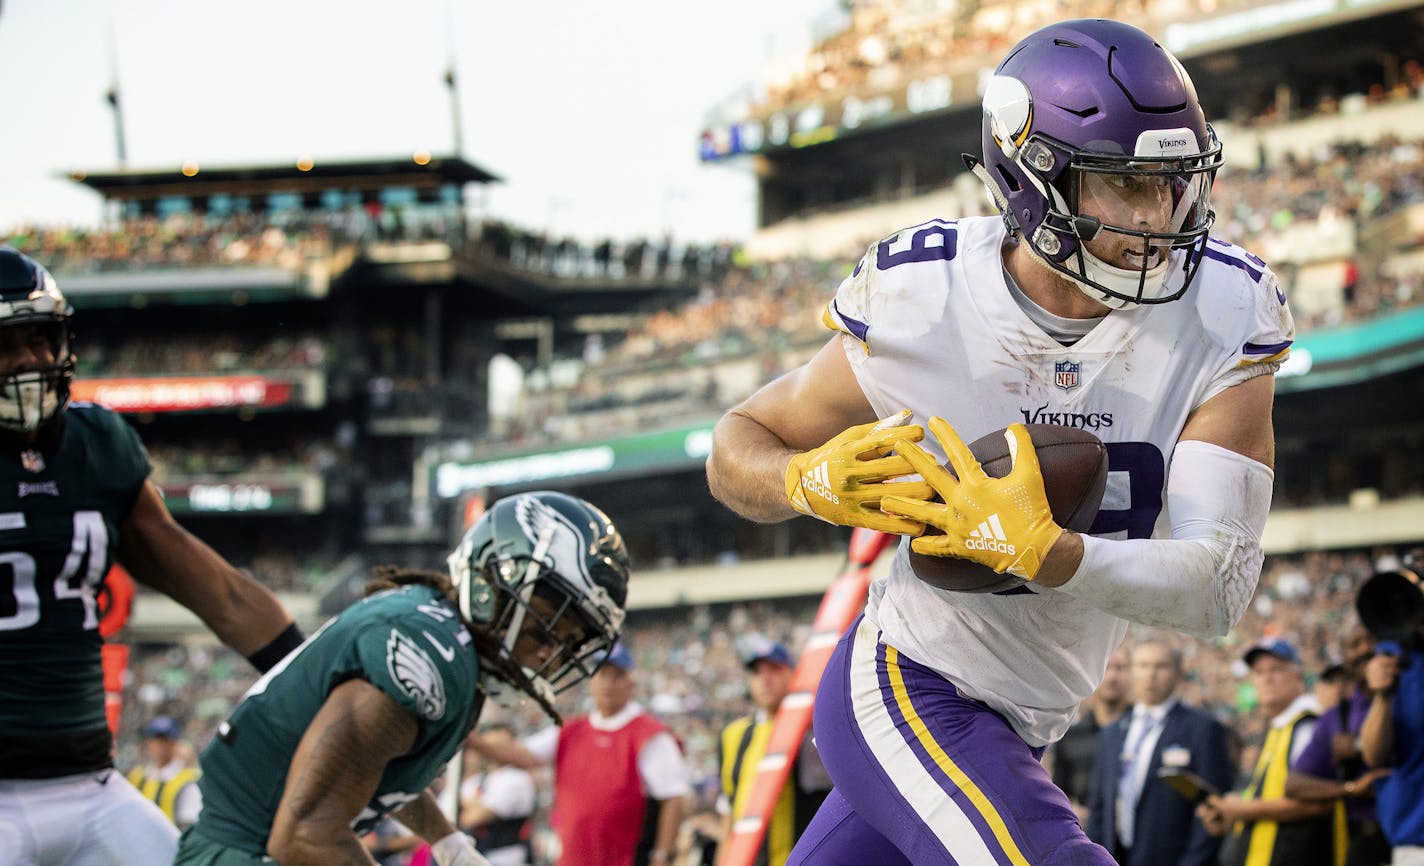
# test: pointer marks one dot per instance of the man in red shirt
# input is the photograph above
(620, 779)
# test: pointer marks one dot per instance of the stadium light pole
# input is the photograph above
(452, 82)
(111, 96)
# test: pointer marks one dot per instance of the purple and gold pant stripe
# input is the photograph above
(926, 746)
(931, 774)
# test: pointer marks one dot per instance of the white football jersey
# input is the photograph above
(929, 324)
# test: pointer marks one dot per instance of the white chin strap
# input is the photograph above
(1120, 280)
(25, 402)
(512, 697)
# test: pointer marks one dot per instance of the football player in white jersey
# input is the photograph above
(1094, 300)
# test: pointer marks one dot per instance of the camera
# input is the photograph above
(1391, 607)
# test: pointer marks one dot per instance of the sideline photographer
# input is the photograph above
(1391, 605)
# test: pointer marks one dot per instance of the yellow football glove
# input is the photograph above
(1004, 523)
(843, 481)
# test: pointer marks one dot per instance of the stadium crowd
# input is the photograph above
(175, 355)
(769, 310)
(632, 259)
(741, 308)
(762, 315)
(287, 239)
(689, 664)
(178, 240)
(231, 460)
(880, 44)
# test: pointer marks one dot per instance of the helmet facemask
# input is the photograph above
(32, 394)
(530, 588)
(1134, 230)
(1097, 152)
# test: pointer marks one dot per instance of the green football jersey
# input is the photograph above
(411, 644)
(59, 529)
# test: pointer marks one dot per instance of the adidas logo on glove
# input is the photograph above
(989, 536)
(818, 481)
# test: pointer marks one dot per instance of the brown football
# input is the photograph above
(1075, 473)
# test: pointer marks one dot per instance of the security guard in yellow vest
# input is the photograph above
(165, 778)
(1265, 827)
(769, 668)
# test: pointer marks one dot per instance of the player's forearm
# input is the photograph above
(253, 617)
(1192, 586)
(316, 844)
(1200, 580)
(746, 469)
(1062, 560)
(424, 818)
(243, 613)
(161, 554)
(336, 771)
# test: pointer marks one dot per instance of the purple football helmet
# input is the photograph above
(1092, 131)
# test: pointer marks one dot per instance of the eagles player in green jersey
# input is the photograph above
(357, 723)
(75, 496)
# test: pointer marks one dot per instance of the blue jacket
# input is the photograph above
(1401, 809)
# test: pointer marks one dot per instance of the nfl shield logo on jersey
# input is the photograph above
(32, 460)
(1065, 374)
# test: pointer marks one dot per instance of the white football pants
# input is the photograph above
(92, 819)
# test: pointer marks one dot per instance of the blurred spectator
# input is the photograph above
(620, 780)
(497, 805)
(770, 666)
(1393, 736)
(183, 240)
(1264, 825)
(1133, 813)
(1331, 767)
(168, 776)
(878, 45)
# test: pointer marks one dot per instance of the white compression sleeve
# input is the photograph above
(1202, 578)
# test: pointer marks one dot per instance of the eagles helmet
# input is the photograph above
(1098, 110)
(32, 308)
(555, 547)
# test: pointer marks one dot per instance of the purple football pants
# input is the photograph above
(925, 776)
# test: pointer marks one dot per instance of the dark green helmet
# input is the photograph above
(33, 390)
(556, 547)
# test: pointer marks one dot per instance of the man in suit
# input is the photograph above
(1134, 814)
